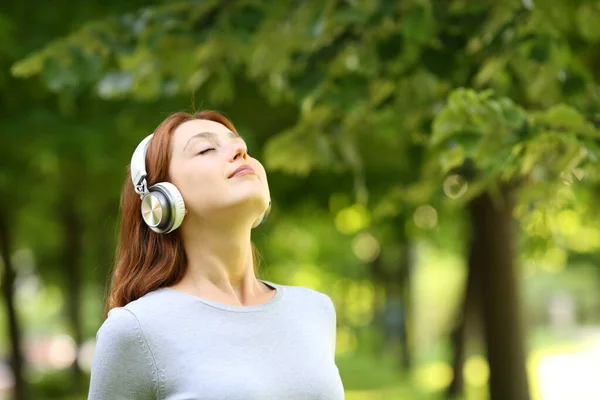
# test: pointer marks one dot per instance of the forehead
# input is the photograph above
(189, 129)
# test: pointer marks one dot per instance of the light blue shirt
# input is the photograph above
(174, 346)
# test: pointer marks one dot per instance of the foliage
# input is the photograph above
(391, 113)
(366, 76)
(495, 140)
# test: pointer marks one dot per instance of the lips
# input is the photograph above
(243, 168)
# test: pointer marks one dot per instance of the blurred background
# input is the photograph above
(433, 167)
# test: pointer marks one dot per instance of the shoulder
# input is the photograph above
(309, 297)
(152, 305)
(120, 325)
(135, 318)
(322, 299)
(122, 331)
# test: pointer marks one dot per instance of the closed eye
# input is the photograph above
(204, 151)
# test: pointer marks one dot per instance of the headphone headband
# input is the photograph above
(138, 166)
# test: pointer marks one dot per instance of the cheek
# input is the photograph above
(197, 183)
(262, 173)
(260, 170)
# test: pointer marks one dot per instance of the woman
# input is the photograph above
(187, 318)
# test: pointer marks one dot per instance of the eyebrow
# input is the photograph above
(210, 135)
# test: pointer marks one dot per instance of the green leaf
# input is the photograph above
(490, 68)
(452, 158)
(292, 152)
(564, 117)
(587, 17)
(418, 24)
(29, 66)
(514, 115)
(350, 15)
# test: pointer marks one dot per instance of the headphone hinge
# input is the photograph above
(142, 188)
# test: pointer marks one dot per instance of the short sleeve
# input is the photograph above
(123, 366)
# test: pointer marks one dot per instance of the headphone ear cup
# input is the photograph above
(172, 207)
(155, 210)
(259, 221)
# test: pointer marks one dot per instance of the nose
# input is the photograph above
(239, 151)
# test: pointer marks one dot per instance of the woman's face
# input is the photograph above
(204, 155)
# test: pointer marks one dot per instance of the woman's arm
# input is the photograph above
(123, 366)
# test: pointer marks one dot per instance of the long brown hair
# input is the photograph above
(146, 260)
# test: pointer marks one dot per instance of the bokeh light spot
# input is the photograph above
(365, 247)
(434, 376)
(352, 219)
(62, 351)
(476, 371)
(455, 186)
(425, 217)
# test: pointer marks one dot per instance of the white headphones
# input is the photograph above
(162, 207)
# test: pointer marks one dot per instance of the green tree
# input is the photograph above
(368, 81)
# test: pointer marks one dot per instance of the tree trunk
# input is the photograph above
(73, 252)
(380, 285)
(458, 340)
(459, 336)
(493, 256)
(14, 332)
(405, 287)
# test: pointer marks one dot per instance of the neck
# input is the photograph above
(219, 262)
